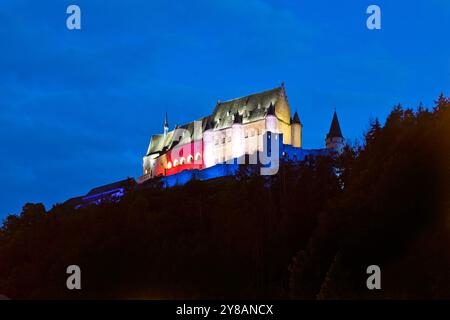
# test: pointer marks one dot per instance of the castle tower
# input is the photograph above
(208, 144)
(271, 119)
(296, 131)
(335, 139)
(237, 138)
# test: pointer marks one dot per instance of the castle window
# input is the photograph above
(182, 160)
(223, 140)
(169, 165)
(189, 158)
(198, 156)
(175, 163)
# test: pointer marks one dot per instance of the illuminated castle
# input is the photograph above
(236, 128)
(246, 130)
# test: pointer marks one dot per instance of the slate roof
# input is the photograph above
(180, 135)
(253, 107)
(115, 185)
(249, 108)
(106, 189)
(335, 128)
(296, 118)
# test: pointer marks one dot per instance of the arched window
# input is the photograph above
(175, 162)
(189, 158)
(198, 156)
(169, 165)
(182, 160)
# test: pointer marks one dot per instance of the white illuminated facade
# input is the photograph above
(235, 128)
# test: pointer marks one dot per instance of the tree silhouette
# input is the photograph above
(308, 232)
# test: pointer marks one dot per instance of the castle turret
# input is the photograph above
(208, 144)
(271, 119)
(237, 139)
(335, 139)
(296, 131)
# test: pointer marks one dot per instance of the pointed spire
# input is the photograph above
(166, 122)
(335, 128)
(296, 118)
(282, 91)
(166, 126)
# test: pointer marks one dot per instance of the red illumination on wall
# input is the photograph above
(177, 153)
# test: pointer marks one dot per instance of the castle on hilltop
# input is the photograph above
(257, 129)
(237, 128)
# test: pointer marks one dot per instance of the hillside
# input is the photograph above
(308, 232)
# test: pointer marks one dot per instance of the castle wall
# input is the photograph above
(285, 129)
(336, 144)
(283, 113)
(219, 146)
(185, 157)
(217, 171)
(291, 153)
(296, 137)
(287, 153)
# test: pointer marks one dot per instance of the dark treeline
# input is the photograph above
(309, 232)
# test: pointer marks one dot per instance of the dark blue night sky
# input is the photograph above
(77, 108)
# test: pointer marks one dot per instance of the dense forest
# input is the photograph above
(308, 232)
